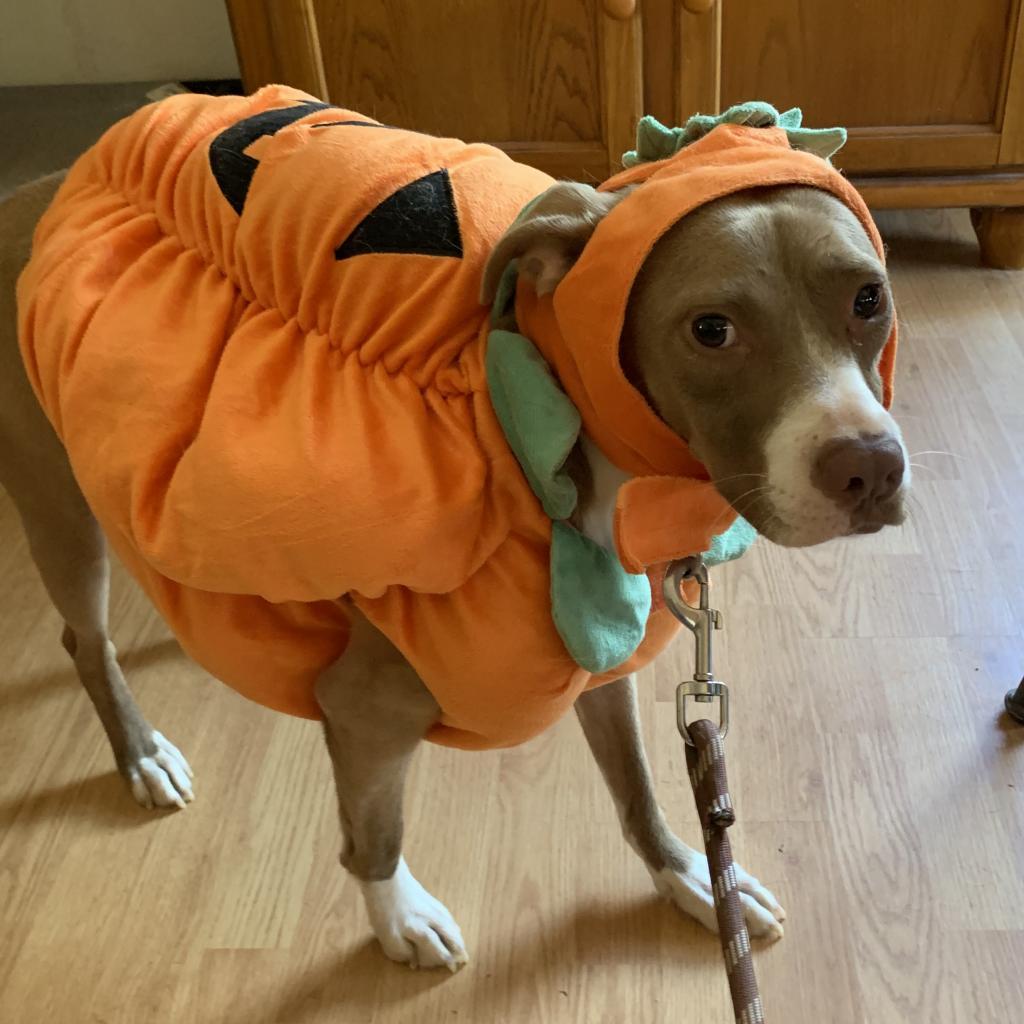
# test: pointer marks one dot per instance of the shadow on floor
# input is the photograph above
(34, 688)
(360, 983)
(925, 251)
(103, 800)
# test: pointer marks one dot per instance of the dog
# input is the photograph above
(754, 329)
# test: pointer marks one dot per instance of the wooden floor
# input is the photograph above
(880, 792)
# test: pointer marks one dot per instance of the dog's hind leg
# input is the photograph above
(376, 712)
(611, 722)
(70, 552)
(65, 540)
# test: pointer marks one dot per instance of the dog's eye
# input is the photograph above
(865, 306)
(713, 331)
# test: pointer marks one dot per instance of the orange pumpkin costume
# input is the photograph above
(268, 367)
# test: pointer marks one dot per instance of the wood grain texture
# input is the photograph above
(920, 85)
(920, 192)
(582, 161)
(1000, 237)
(870, 63)
(944, 148)
(879, 791)
(278, 43)
(621, 9)
(796, 54)
(622, 85)
(699, 76)
(555, 80)
(1012, 120)
(297, 42)
(562, 82)
(660, 60)
(250, 29)
(469, 68)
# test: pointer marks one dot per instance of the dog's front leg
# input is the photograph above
(376, 711)
(611, 723)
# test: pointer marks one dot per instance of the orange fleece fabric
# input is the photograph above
(267, 365)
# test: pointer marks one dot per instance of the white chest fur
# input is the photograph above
(597, 513)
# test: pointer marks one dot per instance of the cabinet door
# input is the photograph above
(557, 83)
(921, 84)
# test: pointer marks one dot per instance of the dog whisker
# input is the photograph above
(738, 476)
(754, 495)
(754, 501)
(771, 520)
(753, 490)
(721, 517)
(952, 455)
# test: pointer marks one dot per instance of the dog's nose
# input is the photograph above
(856, 470)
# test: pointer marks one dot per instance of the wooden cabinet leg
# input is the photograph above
(1001, 237)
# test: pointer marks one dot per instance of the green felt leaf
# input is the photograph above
(540, 422)
(732, 544)
(655, 141)
(599, 609)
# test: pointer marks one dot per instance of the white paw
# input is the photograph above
(690, 891)
(411, 926)
(162, 779)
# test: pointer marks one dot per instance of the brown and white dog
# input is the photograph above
(754, 330)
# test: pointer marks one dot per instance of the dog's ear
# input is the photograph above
(550, 237)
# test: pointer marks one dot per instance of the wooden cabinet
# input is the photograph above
(920, 83)
(931, 90)
(557, 83)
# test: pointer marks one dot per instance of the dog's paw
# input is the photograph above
(161, 778)
(690, 891)
(412, 927)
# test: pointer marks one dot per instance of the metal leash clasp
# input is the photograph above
(701, 622)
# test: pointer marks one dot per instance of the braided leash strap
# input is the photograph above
(705, 759)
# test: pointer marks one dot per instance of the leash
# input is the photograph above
(705, 760)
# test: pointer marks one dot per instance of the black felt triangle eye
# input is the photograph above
(419, 219)
(232, 167)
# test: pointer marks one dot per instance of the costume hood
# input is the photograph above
(578, 328)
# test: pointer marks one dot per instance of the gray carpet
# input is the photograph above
(43, 128)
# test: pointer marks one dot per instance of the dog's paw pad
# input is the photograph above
(162, 778)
